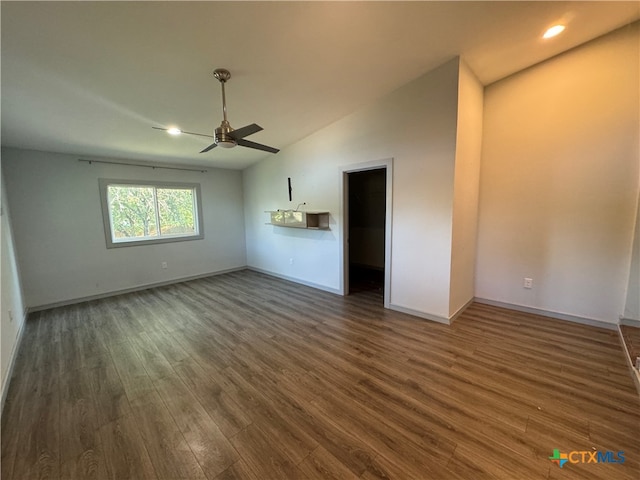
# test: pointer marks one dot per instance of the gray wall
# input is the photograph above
(59, 234)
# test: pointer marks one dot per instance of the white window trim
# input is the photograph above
(106, 216)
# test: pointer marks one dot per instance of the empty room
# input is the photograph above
(320, 240)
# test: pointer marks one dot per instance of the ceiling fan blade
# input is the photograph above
(187, 133)
(210, 147)
(257, 146)
(245, 131)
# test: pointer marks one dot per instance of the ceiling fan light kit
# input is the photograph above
(225, 135)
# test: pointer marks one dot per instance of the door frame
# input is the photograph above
(345, 170)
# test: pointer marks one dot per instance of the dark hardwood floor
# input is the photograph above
(246, 376)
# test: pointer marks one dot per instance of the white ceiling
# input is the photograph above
(92, 78)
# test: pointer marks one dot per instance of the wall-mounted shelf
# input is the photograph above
(296, 219)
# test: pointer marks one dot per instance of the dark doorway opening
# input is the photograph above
(367, 216)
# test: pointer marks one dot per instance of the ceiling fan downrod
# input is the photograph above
(222, 74)
(223, 139)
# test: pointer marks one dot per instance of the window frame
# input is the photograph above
(104, 184)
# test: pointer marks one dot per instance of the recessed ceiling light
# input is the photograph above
(174, 131)
(553, 31)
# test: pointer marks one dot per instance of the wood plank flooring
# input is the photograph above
(243, 376)
(631, 337)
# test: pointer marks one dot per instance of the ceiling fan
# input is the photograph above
(225, 135)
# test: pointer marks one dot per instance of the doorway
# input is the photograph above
(367, 215)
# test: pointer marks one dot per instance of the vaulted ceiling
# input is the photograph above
(93, 78)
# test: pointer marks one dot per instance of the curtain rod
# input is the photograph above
(130, 164)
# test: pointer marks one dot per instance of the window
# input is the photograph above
(137, 213)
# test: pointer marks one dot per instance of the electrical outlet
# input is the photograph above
(164, 265)
(528, 283)
(291, 261)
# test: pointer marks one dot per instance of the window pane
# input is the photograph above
(132, 212)
(176, 211)
(145, 212)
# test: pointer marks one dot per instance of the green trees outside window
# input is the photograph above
(153, 212)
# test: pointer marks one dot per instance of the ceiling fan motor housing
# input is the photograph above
(223, 137)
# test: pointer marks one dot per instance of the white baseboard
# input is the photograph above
(296, 280)
(397, 308)
(461, 310)
(137, 288)
(12, 360)
(429, 316)
(418, 313)
(630, 322)
(545, 313)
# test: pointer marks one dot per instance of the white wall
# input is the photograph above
(560, 179)
(12, 312)
(416, 126)
(60, 239)
(466, 190)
